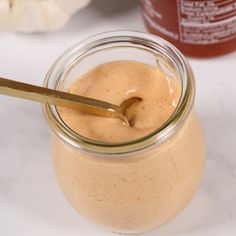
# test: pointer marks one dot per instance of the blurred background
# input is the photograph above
(31, 202)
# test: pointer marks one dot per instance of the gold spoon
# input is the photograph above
(55, 97)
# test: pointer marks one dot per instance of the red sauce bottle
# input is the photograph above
(199, 28)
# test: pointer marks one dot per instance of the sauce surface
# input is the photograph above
(114, 82)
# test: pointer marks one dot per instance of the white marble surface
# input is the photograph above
(30, 200)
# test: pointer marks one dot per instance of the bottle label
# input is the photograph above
(193, 21)
(155, 15)
(204, 22)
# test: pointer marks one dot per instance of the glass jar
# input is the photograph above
(198, 28)
(134, 186)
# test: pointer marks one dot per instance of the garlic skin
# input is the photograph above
(30, 16)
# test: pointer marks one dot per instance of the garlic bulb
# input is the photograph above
(37, 15)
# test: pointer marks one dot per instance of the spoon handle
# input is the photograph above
(55, 97)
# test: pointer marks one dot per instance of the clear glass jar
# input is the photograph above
(138, 185)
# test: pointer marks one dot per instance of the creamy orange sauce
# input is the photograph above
(114, 82)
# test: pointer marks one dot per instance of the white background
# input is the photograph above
(31, 203)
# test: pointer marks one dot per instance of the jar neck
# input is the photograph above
(168, 59)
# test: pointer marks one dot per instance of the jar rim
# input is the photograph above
(156, 137)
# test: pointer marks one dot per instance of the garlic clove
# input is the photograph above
(37, 15)
(71, 6)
